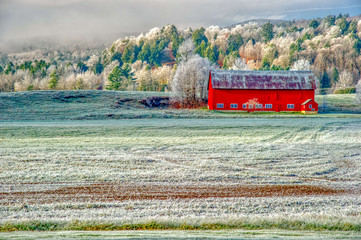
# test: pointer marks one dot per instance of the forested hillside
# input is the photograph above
(331, 46)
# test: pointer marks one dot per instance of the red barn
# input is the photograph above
(262, 91)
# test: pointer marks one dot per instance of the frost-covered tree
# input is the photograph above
(270, 53)
(358, 91)
(162, 76)
(345, 80)
(89, 80)
(190, 82)
(23, 81)
(301, 65)
(212, 32)
(240, 64)
(144, 79)
(185, 51)
(67, 82)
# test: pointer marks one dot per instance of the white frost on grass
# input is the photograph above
(312, 151)
(224, 210)
(268, 151)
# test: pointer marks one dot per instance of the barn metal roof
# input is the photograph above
(236, 79)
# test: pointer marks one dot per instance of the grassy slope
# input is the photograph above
(339, 103)
(100, 105)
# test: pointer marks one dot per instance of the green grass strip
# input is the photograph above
(153, 225)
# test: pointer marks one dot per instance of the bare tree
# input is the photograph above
(190, 83)
(345, 80)
(358, 91)
(301, 65)
(186, 50)
(240, 64)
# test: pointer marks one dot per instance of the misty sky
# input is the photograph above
(93, 18)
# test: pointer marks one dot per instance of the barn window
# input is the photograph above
(310, 106)
(259, 106)
(268, 106)
(244, 105)
(220, 105)
(234, 105)
(250, 106)
(290, 106)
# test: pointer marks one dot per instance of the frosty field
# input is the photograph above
(244, 173)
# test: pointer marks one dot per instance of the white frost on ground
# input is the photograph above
(312, 151)
(196, 211)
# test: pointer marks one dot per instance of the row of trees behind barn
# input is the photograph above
(155, 61)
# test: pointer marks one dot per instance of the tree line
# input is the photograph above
(149, 62)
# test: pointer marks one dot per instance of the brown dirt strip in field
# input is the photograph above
(122, 192)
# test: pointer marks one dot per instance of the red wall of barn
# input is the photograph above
(310, 106)
(278, 98)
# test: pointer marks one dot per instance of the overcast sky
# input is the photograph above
(84, 19)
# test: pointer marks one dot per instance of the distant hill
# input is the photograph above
(263, 21)
(51, 43)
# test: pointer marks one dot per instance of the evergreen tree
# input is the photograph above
(117, 57)
(176, 42)
(98, 68)
(267, 32)
(128, 76)
(296, 47)
(324, 83)
(352, 27)
(128, 54)
(114, 79)
(10, 68)
(234, 42)
(212, 53)
(120, 78)
(357, 45)
(330, 20)
(335, 75)
(314, 24)
(199, 37)
(82, 66)
(265, 65)
(156, 49)
(343, 25)
(153, 54)
(145, 53)
(53, 81)
(43, 73)
(201, 49)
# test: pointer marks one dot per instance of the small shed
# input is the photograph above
(309, 106)
(261, 90)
